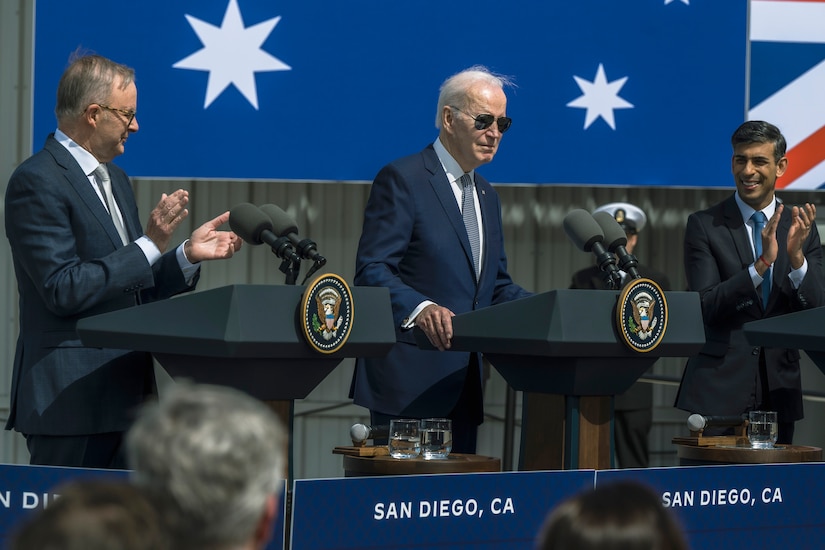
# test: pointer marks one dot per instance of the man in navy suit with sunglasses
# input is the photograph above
(433, 235)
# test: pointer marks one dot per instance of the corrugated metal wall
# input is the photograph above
(541, 258)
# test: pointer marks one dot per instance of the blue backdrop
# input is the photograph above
(621, 93)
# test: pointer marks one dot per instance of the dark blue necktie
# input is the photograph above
(759, 221)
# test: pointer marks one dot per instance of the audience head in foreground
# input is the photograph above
(213, 458)
(624, 515)
(93, 515)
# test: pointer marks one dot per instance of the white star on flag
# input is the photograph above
(686, 2)
(232, 54)
(600, 98)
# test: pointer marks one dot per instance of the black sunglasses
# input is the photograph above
(484, 121)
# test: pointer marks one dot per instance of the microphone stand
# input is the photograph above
(320, 261)
(282, 248)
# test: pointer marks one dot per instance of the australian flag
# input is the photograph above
(608, 92)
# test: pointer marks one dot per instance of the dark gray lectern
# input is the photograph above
(799, 330)
(565, 342)
(244, 336)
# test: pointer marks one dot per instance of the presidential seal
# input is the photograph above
(641, 315)
(327, 313)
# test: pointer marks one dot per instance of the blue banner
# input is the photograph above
(620, 93)
(495, 511)
(747, 506)
(26, 489)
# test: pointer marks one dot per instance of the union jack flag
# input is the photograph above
(787, 82)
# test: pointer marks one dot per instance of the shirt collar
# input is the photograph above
(747, 211)
(450, 165)
(84, 158)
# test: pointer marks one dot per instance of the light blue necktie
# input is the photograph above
(468, 211)
(759, 221)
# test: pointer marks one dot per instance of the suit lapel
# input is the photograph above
(80, 183)
(443, 191)
(782, 265)
(738, 231)
(488, 207)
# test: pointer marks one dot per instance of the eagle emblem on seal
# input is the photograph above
(328, 302)
(644, 315)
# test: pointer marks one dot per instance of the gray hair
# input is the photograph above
(211, 456)
(453, 91)
(87, 80)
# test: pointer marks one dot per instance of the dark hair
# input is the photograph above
(759, 131)
(93, 515)
(624, 515)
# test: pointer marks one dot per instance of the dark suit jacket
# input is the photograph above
(414, 243)
(640, 394)
(70, 263)
(722, 377)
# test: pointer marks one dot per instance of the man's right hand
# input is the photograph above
(437, 323)
(166, 217)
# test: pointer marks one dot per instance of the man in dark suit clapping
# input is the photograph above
(79, 250)
(750, 257)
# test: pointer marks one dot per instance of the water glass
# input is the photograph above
(763, 429)
(436, 438)
(404, 438)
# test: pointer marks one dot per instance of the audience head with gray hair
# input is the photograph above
(213, 458)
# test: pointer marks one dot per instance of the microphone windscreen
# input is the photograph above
(582, 229)
(359, 433)
(614, 235)
(248, 222)
(282, 223)
(696, 422)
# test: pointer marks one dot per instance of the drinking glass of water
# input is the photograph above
(436, 438)
(404, 438)
(763, 429)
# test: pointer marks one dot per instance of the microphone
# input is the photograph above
(285, 226)
(359, 433)
(252, 225)
(586, 234)
(616, 238)
(698, 422)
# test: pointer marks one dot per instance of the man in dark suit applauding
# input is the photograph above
(750, 257)
(433, 235)
(633, 410)
(79, 250)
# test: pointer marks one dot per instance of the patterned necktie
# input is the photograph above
(468, 211)
(759, 219)
(105, 187)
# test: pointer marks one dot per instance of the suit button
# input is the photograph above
(755, 351)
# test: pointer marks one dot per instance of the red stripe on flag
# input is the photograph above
(804, 157)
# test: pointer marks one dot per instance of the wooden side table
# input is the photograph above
(358, 466)
(693, 455)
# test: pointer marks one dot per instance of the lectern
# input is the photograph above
(566, 342)
(798, 330)
(244, 336)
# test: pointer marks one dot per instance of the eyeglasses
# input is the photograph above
(484, 121)
(130, 115)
